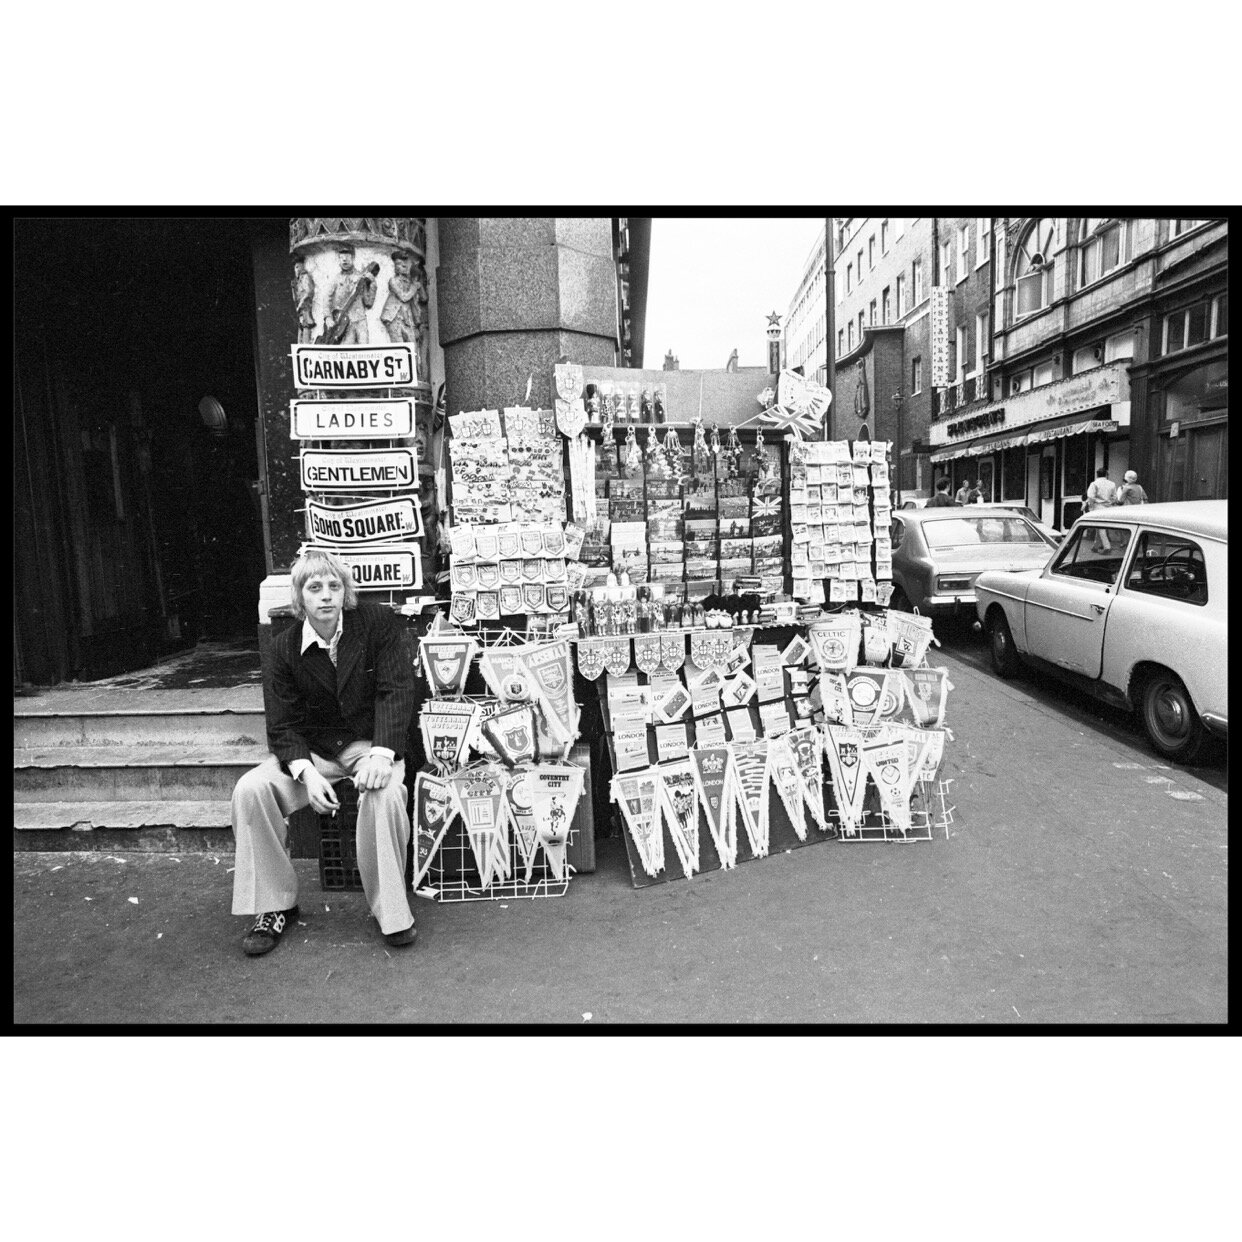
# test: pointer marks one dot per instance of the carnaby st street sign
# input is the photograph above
(380, 418)
(381, 568)
(366, 470)
(376, 521)
(353, 366)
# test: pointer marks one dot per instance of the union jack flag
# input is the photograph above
(769, 506)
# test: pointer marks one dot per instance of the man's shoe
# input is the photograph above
(265, 935)
(401, 937)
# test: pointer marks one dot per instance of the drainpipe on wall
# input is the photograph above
(830, 373)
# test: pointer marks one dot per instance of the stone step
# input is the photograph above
(84, 816)
(131, 773)
(43, 730)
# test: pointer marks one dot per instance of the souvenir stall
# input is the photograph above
(722, 591)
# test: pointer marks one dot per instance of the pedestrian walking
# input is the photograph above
(1131, 491)
(1101, 494)
(942, 497)
(339, 693)
(963, 493)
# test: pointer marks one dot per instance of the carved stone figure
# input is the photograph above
(304, 299)
(350, 298)
(397, 315)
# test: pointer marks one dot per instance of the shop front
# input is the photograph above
(1042, 447)
(1192, 440)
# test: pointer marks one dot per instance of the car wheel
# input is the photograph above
(900, 600)
(1169, 717)
(1000, 646)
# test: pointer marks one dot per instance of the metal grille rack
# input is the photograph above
(455, 876)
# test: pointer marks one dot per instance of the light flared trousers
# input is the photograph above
(263, 800)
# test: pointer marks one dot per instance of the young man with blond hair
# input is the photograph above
(338, 690)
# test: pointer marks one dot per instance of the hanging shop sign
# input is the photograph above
(354, 366)
(376, 521)
(939, 336)
(380, 418)
(367, 470)
(380, 569)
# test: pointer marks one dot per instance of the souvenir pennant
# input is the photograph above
(925, 695)
(713, 774)
(522, 817)
(877, 645)
(887, 762)
(462, 609)
(711, 649)
(784, 775)
(933, 754)
(489, 575)
(480, 793)
(636, 794)
(435, 805)
(844, 751)
(510, 597)
(834, 698)
(750, 766)
(647, 652)
(446, 662)
(475, 741)
(499, 666)
(808, 751)
(875, 694)
(486, 543)
(616, 655)
(571, 417)
(835, 641)
(445, 726)
(512, 733)
(591, 657)
(461, 540)
(680, 808)
(672, 651)
(550, 665)
(910, 636)
(533, 596)
(555, 791)
(511, 573)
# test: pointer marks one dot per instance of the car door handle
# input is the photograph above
(1099, 609)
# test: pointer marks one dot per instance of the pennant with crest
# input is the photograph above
(435, 807)
(713, 774)
(875, 694)
(550, 664)
(845, 762)
(711, 648)
(519, 796)
(808, 750)
(672, 651)
(647, 649)
(480, 795)
(926, 689)
(591, 657)
(679, 803)
(783, 768)
(636, 793)
(750, 767)
(887, 763)
(555, 791)
(616, 655)
(445, 725)
(512, 734)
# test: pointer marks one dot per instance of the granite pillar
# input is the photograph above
(516, 294)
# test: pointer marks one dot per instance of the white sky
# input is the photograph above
(713, 282)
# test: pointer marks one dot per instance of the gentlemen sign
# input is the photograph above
(376, 521)
(368, 470)
(939, 336)
(380, 418)
(354, 366)
(379, 569)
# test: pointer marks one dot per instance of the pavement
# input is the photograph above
(1081, 881)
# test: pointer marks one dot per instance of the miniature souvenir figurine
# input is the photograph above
(349, 299)
(633, 455)
(303, 300)
(660, 403)
(673, 453)
(644, 406)
(397, 315)
(699, 459)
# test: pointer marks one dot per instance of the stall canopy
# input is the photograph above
(1053, 429)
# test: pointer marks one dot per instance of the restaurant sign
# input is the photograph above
(354, 366)
(380, 568)
(367, 470)
(1083, 392)
(939, 336)
(380, 418)
(374, 521)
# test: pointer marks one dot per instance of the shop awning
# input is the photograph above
(1053, 429)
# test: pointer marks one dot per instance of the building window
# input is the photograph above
(916, 375)
(872, 319)
(871, 251)
(946, 260)
(981, 340)
(983, 238)
(840, 342)
(860, 266)
(849, 277)
(963, 251)
(1184, 226)
(1105, 247)
(963, 344)
(900, 227)
(849, 336)
(1202, 322)
(918, 281)
(886, 306)
(901, 296)
(884, 237)
(1119, 346)
(1045, 373)
(1087, 357)
(862, 323)
(1033, 269)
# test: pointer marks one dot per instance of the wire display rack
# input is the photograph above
(928, 811)
(455, 875)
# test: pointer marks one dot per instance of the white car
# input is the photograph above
(1132, 607)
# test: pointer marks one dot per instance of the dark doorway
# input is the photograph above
(138, 526)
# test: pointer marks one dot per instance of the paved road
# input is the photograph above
(1081, 881)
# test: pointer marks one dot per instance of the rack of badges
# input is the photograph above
(356, 420)
(494, 807)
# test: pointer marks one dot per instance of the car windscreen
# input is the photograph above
(966, 532)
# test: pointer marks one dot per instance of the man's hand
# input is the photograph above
(372, 772)
(322, 796)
